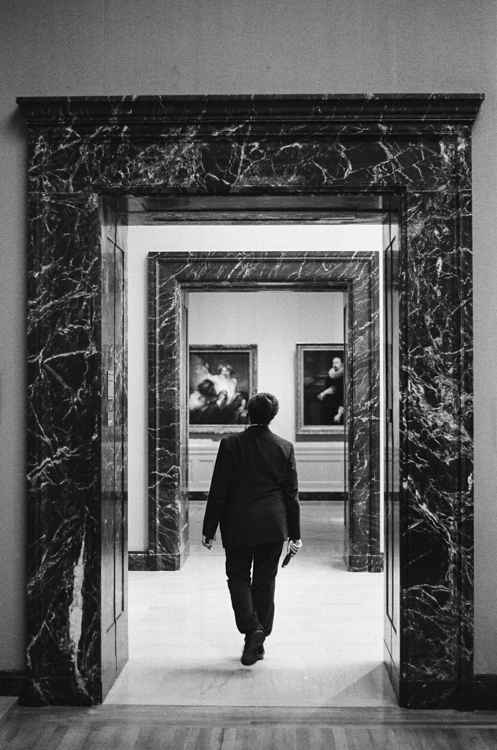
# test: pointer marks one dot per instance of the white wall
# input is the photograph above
(320, 466)
(143, 240)
(118, 47)
(276, 322)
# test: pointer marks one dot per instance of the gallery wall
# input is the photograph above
(273, 321)
(120, 47)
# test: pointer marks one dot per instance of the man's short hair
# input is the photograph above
(262, 408)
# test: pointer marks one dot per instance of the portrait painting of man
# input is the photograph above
(320, 388)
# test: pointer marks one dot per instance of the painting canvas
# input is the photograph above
(221, 381)
(320, 389)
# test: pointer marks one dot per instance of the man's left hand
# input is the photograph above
(294, 545)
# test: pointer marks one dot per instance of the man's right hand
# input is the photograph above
(208, 542)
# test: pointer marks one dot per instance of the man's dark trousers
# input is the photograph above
(252, 596)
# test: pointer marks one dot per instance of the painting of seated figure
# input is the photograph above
(221, 381)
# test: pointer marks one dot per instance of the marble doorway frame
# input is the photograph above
(83, 149)
(171, 276)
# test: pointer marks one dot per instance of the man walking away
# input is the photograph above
(254, 498)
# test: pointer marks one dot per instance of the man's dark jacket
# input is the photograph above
(254, 491)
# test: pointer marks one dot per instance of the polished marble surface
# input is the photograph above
(416, 148)
(325, 650)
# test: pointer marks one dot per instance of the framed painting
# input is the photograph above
(320, 389)
(221, 381)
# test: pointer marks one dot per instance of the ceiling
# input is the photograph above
(363, 208)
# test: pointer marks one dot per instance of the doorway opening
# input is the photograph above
(350, 276)
(275, 322)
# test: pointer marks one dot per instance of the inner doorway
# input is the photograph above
(308, 316)
(350, 277)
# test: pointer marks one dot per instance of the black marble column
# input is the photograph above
(64, 450)
(414, 146)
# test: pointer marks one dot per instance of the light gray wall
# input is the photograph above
(99, 47)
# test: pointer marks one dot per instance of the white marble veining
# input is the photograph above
(325, 650)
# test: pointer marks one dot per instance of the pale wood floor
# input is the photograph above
(181, 728)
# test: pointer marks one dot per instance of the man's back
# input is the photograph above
(254, 493)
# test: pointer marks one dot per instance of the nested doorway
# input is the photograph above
(172, 277)
(262, 318)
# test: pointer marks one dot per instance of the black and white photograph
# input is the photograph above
(248, 314)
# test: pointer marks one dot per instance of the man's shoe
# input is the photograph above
(253, 642)
(260, 653)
